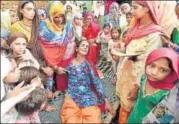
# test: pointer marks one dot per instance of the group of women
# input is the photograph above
(67, 51)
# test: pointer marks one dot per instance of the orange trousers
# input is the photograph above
(72, 113)
(123, 116)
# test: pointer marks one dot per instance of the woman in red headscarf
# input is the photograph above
(90, 31)
(140, 40)
(161, 72)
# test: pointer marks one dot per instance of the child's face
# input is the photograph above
(124, 37)
(158, 70)
(106, 29)
(18, 46)
(115, 34)
(129, 18)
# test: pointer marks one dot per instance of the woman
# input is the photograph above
(140, 40)
(54, 35)
(90, 31)
(81, 103)
(28, 24)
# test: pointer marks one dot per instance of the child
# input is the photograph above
(29, 108)
(161, 72)
(81, 103)
(103, 38)
(115, 44)
(31, 75)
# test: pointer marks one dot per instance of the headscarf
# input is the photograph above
(95, 26)
(55, 8)
(107, 5)
(127, 5)
(135, 32)
(167, 16)
(168, 82)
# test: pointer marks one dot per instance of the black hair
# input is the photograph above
(33, 103)
(107, 25)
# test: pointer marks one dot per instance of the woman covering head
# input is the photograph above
(141, 39)
(90, 31)
(55, 33)
(125, 8)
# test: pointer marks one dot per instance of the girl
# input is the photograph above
(81, 104)
(103, 38)
(90, 31)
(115, 44)
(29, 108)
(161, 72)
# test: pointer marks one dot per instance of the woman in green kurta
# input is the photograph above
(160, 74)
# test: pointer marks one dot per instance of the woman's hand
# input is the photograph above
(109, 107)
(132, 95)
(19, 89)
(60, 70)
(12, 76)
(48, 70)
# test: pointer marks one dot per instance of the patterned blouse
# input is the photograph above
(79, 79)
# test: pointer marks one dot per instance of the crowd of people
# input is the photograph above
(59, 49)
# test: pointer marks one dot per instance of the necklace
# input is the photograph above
(143, 26)
(27, 28)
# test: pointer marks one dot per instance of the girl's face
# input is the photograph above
(58, 19)
(158, 70)
(106, 29)
(18, 46)
(28, 11)
(124, 36)
(129, 18)
(115, 34)
(138, 11)
(83, 48)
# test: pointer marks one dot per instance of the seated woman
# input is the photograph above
(81, 103)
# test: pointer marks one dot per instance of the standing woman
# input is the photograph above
(28, 24)
(140, 40)
(54, 35)
(90, 31)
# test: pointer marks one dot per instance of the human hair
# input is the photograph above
(177, 5)
(128, 14)
(33, 45)
(15, 35)
(170, 64)
(33, 103)
(28, 73)
(116, 29)
(78, 42)
(107, 25)
(69, 7)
